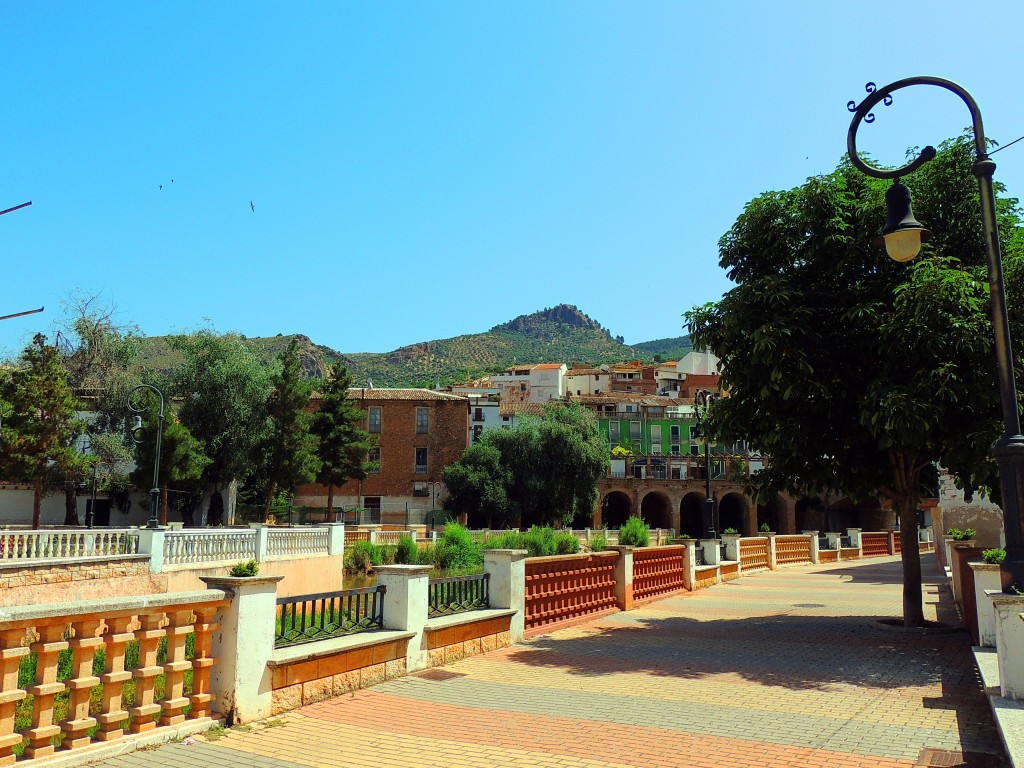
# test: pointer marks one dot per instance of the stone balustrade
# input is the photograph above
(123, 651)
(298, 541)
(64, 544)
(225, 545)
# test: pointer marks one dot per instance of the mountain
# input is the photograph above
(554, 335)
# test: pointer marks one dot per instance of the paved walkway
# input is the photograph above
(777, 669)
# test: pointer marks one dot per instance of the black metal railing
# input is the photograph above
(823, 541)
(698, 555)
(457, 594)
(845, 542)
(307, 618)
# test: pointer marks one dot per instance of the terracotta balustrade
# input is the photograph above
(82, 630)
(875, 544)
(568, 587)
(658, 571)
(754, 553)
(792, 549)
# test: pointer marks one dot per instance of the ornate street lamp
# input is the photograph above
(903, 236)
(702, 408)
(139, 436)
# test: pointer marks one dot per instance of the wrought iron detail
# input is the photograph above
(457, 594)
(853, 106)
(307, 618)
(698, 555)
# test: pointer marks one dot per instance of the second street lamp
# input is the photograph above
(139, 436)
(905, 234)
(702, 405)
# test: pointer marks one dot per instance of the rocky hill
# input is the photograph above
(558, 334)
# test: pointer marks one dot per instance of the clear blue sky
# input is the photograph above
(421, 170)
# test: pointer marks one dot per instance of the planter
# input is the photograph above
(732, 546)
(1009, 643)
(959, 552)
(986, 579)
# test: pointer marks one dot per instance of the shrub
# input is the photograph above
(539, 542)
(635, 533)
(730, 530)
(994, 556)
(765, 528)
(566, 544)
(406, 553)
(962, 535)
(249, 568)
(361, 556)
(455, 549)
(598, 543)
(505, 540)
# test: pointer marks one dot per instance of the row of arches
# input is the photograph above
(736, 510)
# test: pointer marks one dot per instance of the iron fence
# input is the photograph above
(307, 618)
(458, 593)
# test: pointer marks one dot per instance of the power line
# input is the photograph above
(1005, 146)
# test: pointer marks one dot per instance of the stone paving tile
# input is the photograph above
(788, 668)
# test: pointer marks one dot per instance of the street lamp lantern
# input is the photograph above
(903, 234)
(1008, 450)
(138, 436)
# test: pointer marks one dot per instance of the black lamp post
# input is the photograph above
(702, 406)
(903, 236)
(90, 513)
(139, 436)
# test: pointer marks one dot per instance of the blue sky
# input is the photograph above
(423, 170)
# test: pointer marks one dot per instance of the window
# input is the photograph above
(694, 432)
(373, 458)
(477, 431)
(656, 433)
(478, 414)
(613, 431)
(374, 424)
(674, 429)
(634, 430)
(421, 461)
(695, 450)
(421, 421)
(675, 449)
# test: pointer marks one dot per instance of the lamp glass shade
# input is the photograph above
(903, 244)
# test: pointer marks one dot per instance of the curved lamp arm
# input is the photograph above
(863, 113)
(155, 492)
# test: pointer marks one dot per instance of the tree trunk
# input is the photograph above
(71, 502)
(913, 610)
(270, 497)
(37, 503)
(331, 515)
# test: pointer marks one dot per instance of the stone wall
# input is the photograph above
(56, 581)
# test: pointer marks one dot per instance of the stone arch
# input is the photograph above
(810, 514)
(656, 510)
(616, 508)
(867, 515)
(691, 515)
(732, 513)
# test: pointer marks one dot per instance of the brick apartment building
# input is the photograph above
(419, 432)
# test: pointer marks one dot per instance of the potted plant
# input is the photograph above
(245, 569)
(767, 530)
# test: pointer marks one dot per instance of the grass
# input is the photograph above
(61, 702)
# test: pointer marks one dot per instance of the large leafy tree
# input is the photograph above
(544, 470)
(343, 445)
(853, 372)
(40, 423)
(287, 455)
(224, 387)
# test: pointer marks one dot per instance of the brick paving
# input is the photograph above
(789, 668)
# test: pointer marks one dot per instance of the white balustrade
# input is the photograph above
(197, 546)
(391, 537)
(298, 541)
(49, 545)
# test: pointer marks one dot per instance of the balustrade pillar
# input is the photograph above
(114, 675)
(202, 662)
(623, 577)
(507, 569)
(146, 709)
(11, 654)
(406, 598)
(175, 701)
(81, 682)
(47, 648)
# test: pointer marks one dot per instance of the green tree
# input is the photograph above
(344, 445)
(288, 452)
(224, 387)
(548, 468)
(39, 425)
(478, 486)
(853, 372)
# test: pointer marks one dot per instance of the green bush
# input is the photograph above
(635, 533)
(962, 535)
(765, 528)
(456, 549)
(598, 543)
(407, 553)
(994, 556)
(249, 568)
(539, 542)
(730, 530)
(505, 540)
(361, 556)
(566, 544)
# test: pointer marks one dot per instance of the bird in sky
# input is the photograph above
(161, 186)
(252, 206)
